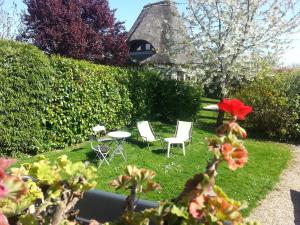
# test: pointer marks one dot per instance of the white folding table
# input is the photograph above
(119, 137)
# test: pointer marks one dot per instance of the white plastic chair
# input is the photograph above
(99, 129)
(146, 132)
(100, 145)
(183, 134)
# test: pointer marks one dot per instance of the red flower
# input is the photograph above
(235, 107)
(236, 157)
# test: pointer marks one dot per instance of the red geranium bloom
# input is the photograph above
(235, 107)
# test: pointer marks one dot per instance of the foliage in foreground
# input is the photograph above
(201, 201)
(48, 103)
(49, 194)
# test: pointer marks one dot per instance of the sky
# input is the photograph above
(128, 11)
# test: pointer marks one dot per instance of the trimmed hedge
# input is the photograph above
(25, 75)
(49, 103)
(275, 98)
(85, 94)
(155, 98)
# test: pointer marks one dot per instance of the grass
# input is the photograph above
(252, 183)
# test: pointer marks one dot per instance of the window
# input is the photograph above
(148, 47)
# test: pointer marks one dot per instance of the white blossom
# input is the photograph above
(233, 36)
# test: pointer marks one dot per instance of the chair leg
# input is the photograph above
(169, 146)
(183, 148)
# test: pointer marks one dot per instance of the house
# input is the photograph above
(159, 37)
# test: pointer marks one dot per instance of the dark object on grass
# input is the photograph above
(105, 206)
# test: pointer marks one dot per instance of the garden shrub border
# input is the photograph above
(66, 97)
(275, 97)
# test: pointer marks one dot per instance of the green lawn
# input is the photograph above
(266, 162)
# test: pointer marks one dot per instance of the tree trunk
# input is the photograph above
(220, 119)
(221, 114)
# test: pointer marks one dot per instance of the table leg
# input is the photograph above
(119, 149)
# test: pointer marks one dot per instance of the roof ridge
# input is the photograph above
(165, 2)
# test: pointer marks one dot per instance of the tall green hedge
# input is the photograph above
(85, 94)
(52, 102)
(25, 76)
(161, 99)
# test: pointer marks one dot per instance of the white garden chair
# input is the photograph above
(146, 132)
(100, 145)
(183, 135)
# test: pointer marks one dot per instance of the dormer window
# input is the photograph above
(141, 49)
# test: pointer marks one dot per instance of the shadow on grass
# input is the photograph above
(77, 149)
(206, 126)
(295, 196)
(207, 117)
(165, 128)
(138, 143)
(159, 151)
(91, 156)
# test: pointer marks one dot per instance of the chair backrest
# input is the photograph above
(184, 130)
(98, 129)
(145, 131)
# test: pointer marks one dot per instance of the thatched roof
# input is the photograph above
(161, 25)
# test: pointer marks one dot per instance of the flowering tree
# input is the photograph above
(85, 29)
(231, 37)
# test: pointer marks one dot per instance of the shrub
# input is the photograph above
(53, 102)
(293, 93)
(141, 86)
(176, 100)
(276, 104)
(85, 94)
(161, 99)
(24, 88)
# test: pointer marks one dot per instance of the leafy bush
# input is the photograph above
(141, 86)
(293, 93)
(176, 100)
(161, 99)
(275, 100)
(47, 195)
(25, 75)
(85, 94)
(53, 102)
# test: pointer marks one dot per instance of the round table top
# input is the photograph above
(119, 134)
